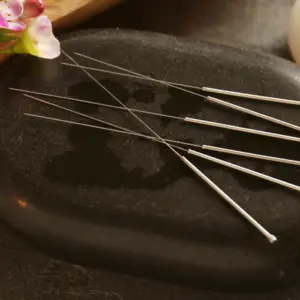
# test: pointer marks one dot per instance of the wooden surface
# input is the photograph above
(294, 37)
(66, 13)
(69, 12)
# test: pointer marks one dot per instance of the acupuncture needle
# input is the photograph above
(211, 90)
(190, 120)
(204, 147)
(271, 238)
(207, 98)
(245, 170)
(118, 128)
(189, 151)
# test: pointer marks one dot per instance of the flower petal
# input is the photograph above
(16, 26)
(33, 8)
(12, 26)
(40, 28)
(49, 50)
(11, 9)
(16, 8)
(3, 21)
(38, 40)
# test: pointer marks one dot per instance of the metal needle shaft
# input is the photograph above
(113, 130)
(200, 174)
(252, 155)
(251, 96)
(253, 113)
(76, 113)
(210, 99)
(243, 129)
(78, 100)
(268, 235)
(124, 106)
(224, 92)
(271, 238)
(245, 170)
(187, 119)
(204, 147)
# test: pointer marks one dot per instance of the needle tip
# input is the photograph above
(272, 239)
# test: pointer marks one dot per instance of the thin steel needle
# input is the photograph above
(201, 175)
(187, 119)
(252, 155)
(77, 113)
(209, 99)
(243, 129)
(269, 236)
(200, 88)
(101, 128)
(98, 104)
(137, 74)
(245, 170)
(250, 96)
(204, 147)
(253, 113)
(113, 130)
(124, 106)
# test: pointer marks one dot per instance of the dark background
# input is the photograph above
(260, 24)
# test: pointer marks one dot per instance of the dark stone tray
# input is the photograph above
(109, 201)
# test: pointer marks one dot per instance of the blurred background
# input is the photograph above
(260, 24)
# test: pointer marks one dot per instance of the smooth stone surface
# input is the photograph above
(128, 204)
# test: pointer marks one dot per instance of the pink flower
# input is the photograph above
(13, 13)
(38, 40)
(10, 13)
(32, 8)
(24, 30)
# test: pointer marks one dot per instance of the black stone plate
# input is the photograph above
(107, 200)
